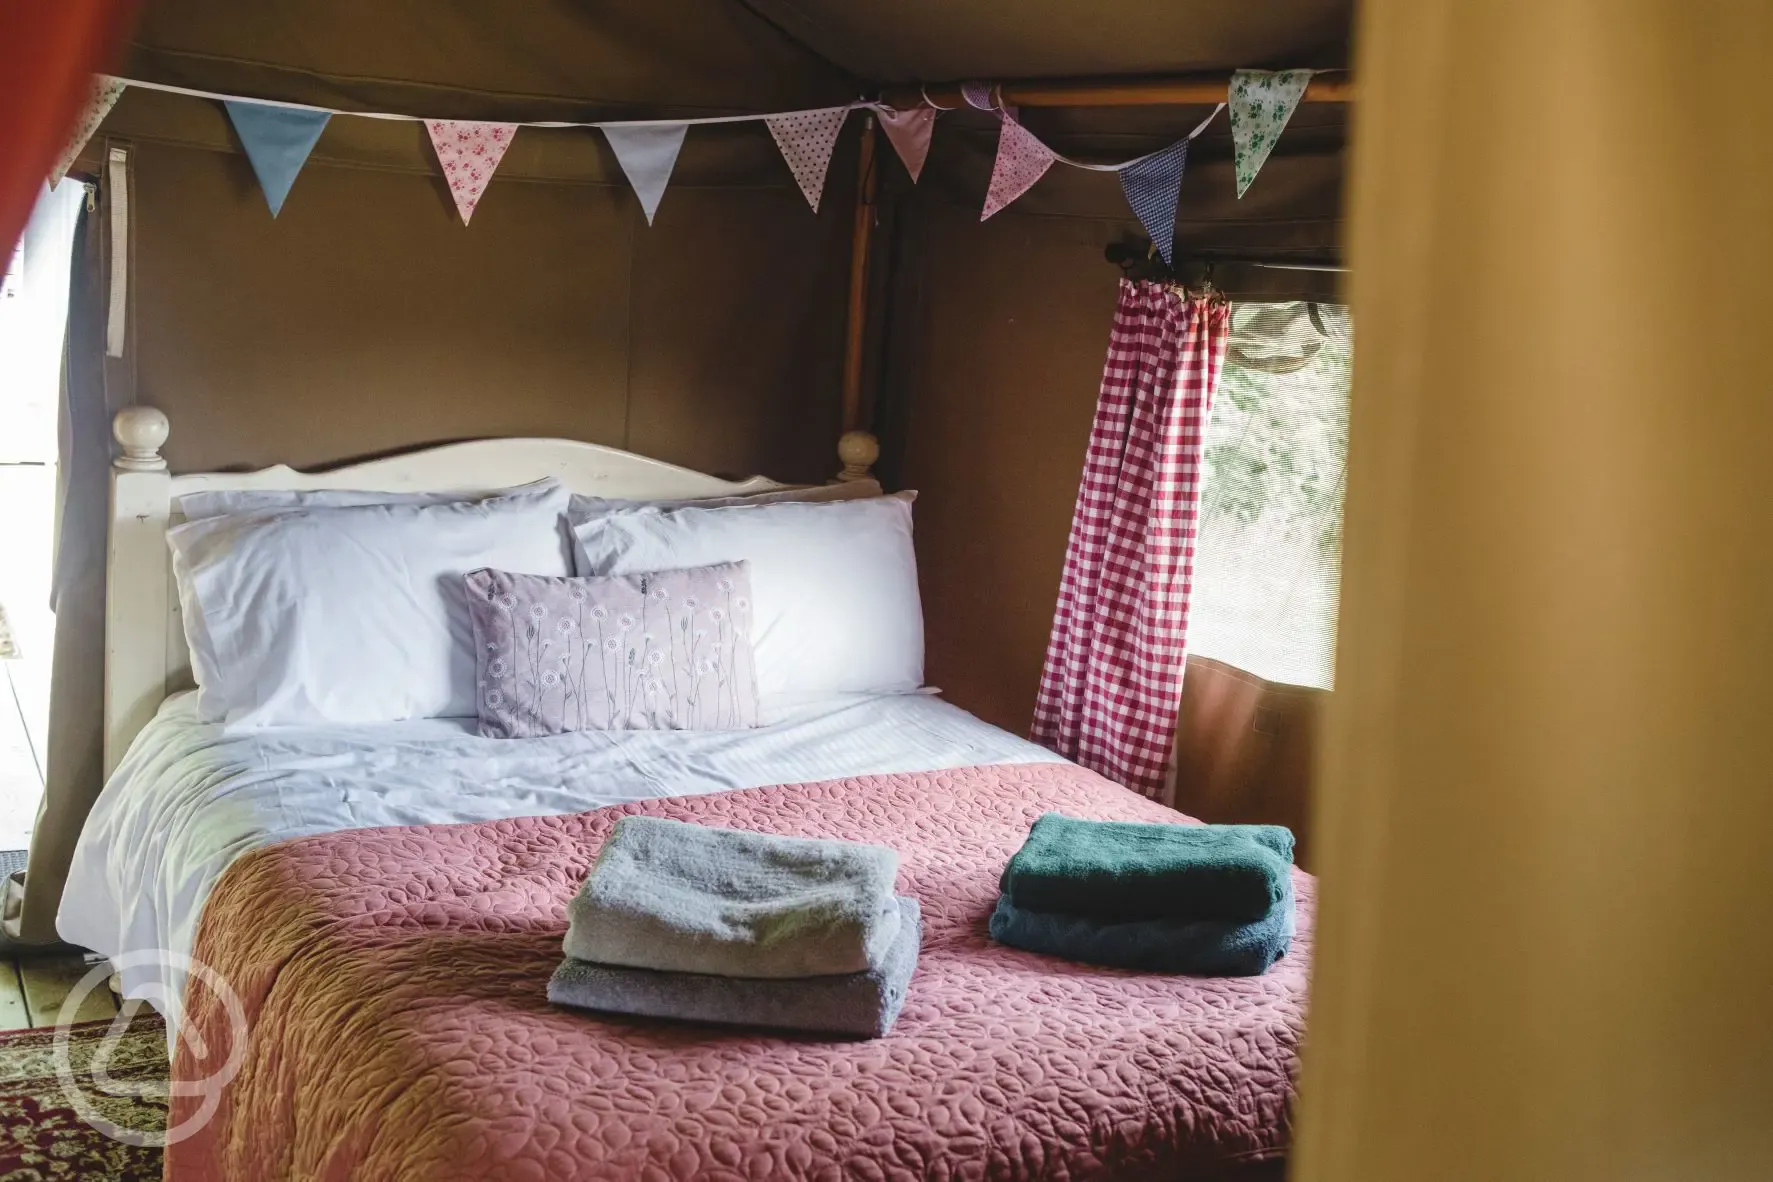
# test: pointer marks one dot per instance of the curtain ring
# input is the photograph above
(924, 90)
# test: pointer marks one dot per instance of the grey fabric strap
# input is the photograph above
(118, 180)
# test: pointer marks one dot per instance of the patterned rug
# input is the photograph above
(43, 1135)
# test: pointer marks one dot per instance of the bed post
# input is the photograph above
(857, 448)
(135, 579)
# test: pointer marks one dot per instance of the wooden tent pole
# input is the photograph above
(858, 448)
(1181, 90)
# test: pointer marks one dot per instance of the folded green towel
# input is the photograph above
(1123, 870)
(1197, 947)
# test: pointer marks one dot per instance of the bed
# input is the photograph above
(385, 903)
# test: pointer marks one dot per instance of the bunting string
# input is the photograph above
(356, 114)
(279, 135)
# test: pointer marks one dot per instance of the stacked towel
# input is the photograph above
(696, 899)
(1207, 900)
(722, 925)
(864, 1003)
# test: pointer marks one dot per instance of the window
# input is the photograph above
(15, 272)
(1267, 567)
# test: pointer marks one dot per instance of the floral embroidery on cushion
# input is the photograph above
(666, 650)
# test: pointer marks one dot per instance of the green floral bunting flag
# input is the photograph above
(1261, 103)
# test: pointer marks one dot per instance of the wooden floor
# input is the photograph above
(33, 988)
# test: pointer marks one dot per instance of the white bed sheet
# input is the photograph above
(188, 799)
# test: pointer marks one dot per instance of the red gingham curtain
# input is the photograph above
(1113, 677)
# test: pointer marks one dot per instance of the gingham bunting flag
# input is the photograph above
(1021, 160)
(1153, 186)
(909, 133)
(469, 153)
(1261, 103)
(647, 154)
(277, 141)
(806, 139)
(103, 96)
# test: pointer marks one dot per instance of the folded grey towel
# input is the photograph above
(697, 899)
(854, 1003)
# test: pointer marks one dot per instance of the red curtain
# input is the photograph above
(49, 50)
(1113, 677)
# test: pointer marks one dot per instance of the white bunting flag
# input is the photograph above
(807, 139)
(469, 153)
(1261, 103)
(99, 101)
(647, 154)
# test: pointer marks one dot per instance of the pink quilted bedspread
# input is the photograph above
(393, 984)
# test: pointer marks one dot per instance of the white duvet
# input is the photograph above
(188, 799)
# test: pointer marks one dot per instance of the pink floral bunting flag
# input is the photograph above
(1021, 160)
(909, 133)
(99, 101)
(806, 139)
(469, 152)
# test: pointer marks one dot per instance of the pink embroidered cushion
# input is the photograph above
(663, 650)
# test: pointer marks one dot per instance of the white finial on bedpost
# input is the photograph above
(140, 430)
(137, 617)
(858, 450)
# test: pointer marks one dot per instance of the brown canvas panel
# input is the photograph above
(366, 318)
(1245, 749)
(737, 346)
(487, 59)
(997, 354)
(909, 40)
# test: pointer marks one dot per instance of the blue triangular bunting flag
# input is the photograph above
(277, 141)
(647, 153)
(1153, 186)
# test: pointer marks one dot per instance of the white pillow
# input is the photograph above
(216, 502)
(346, 615)
(585, 508)
(835, 585)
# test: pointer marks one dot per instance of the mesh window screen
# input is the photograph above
(1267, 564)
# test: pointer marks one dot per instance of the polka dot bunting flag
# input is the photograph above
(806, 139)
(1021, 160)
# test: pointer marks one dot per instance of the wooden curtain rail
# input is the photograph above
(1183, 90)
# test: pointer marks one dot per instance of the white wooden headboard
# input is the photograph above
(145, 654)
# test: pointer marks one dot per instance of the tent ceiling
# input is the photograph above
(488, 58)
(491, 57)
(933, 40)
